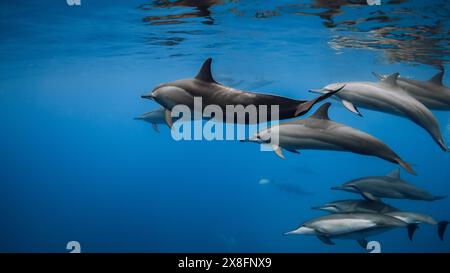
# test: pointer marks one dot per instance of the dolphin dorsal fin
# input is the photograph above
(391, 79)
(437, 79)
(322, 112)
(205, 72)
(394, 174)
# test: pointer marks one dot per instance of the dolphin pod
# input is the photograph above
(318, 132)
(352, 219)
(357, 219)
(387, 96)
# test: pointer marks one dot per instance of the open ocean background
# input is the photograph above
(74, 165)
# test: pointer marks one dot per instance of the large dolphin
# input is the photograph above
(389, 186)
(387, 96)
(182, 92)
(356, 205)
(351, 226)
(318, 132)
(419, 218)
(432, 93)
(154, 117)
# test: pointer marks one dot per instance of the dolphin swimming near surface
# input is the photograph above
(318, 132)
(390, 186)
(419, 218)
(356, 205)
(182, 92)
(387, 96)
(351, 226)
(432, 93)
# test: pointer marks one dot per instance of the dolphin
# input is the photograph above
(318, 132)
(154, 117)
(182, 92)
(390, 186)
(419, 218)
(356, 205)
(351, 226)
(432, 93)
(387, 96)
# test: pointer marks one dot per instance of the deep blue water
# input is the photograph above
(76, 166)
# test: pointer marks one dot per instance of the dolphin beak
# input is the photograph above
(289, 232)
(142, 117)
(149, 96)
(319, 91)
(337, 188)
(251, 139)
(317, 207)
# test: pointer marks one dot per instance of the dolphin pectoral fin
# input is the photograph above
(304, 107)
(370, 197)
(441, 229)
(325, 239)
(411, 229)
(352, 108)
(437, 79)
(362, 243)
(278, 151)
(292, 151)
(168, 118)
(155, 127)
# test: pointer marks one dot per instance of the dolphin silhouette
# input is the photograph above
(389, 186)
(182, 92)
(318, 132)
(351, 226)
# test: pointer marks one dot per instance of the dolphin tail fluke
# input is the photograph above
(304, 107)
(363, 243)
(442, 226)
(438, 197)
(411, 230)
(406, 166)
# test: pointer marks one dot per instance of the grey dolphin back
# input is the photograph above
(437, 79)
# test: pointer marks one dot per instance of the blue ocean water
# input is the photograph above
(76, 166)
